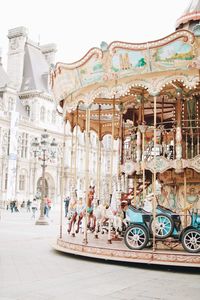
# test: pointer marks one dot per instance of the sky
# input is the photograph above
(75, 26)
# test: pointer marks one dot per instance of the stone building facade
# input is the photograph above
(25, 92)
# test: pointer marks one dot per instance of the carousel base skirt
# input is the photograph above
(116, 251)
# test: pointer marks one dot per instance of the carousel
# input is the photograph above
(147, 97)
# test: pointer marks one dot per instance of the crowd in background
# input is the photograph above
(29, 206)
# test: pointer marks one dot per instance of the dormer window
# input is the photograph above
(28, 110)
(42, 114)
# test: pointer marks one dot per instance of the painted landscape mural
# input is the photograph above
(124, 60)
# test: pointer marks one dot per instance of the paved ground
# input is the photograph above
(31, 269)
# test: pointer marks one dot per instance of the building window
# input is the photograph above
(6, 181)
(24, 145)
(10, 104)
(8, 143)
(53, 117)
(42, 114)
(28, 110)
(21, 182)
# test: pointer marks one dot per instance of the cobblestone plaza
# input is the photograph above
(31, 269)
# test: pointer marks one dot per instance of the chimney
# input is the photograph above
(17, 40)
(49, 51)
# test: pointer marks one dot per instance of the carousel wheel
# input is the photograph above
(164, 226)
(136, 237)
(191, 240)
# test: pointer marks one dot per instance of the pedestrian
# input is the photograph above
(47, 206)
(28, 206)
(12, 206)
(34, 208)
(23, 204)
(16, 205)
(66, 202)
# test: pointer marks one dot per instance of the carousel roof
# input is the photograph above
(123, 77)
(192, 13)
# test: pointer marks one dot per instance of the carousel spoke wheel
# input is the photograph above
(191, 240)
(164, 226)
(136, 237)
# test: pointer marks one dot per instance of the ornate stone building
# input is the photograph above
(25, 93)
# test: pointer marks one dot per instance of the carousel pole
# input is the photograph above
(87, 133)
(75, 150)
(178, 127)
(135, 178)
(62, 181)
(185, 198)
(154, 178)
(72, 156)
(112, 148)
(122, 153)
(143, 129)
(186, 145)
(143, 167)
(135, 189)
(120, 147)
(197, 131)
(99, 155)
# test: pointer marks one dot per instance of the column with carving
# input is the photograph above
(178, 132)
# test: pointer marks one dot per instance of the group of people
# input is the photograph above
(29, 206)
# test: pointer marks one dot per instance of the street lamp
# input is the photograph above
(45, 151)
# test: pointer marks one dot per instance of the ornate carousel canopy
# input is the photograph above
(122, 77)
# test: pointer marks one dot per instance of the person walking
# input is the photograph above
(49, 204)
(66, 202)
(34, 208)
(28, 206)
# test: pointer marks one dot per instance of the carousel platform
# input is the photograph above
(116, 251)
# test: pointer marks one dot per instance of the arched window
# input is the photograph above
(42, 114)
(28, 110)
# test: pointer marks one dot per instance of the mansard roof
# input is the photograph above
(36, 69)
(4, 79)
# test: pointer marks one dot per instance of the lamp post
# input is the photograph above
(44, 150)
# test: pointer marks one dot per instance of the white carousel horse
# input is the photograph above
(118, 216)
(71, 217)
(105, 213)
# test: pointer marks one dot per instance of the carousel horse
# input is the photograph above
(71, 216)
(90, 209)
(106, 214)
(118, 216)
(102, 213)
(80, 210)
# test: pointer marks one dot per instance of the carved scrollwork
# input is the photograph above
(194, 163)
(159, 164)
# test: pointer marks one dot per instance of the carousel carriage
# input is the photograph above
(167, 224)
